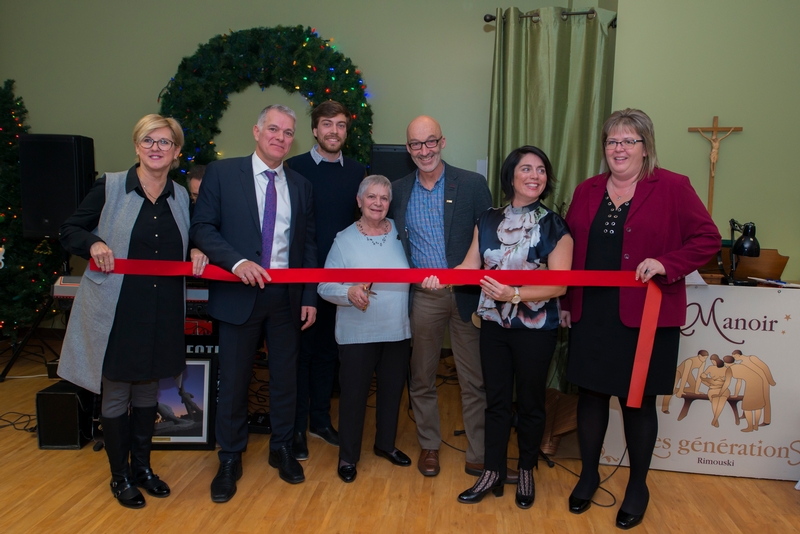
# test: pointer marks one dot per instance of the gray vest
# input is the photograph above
(93, 311)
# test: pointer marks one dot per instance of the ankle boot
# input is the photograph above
(143, 421)
(488, 481)
(526, 489)
(116, 435)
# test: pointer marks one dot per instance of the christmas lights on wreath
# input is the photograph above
(293, 58)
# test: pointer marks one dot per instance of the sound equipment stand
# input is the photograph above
(19, 347)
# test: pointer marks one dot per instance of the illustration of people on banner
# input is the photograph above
(733, 379)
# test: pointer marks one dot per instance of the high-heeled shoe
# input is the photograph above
(626, 521)
(578, 506)
(472, 496)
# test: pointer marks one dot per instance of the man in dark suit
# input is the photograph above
(435, 209)
(252, 215)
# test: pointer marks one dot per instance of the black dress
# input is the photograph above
(146, 340)
(601, 347)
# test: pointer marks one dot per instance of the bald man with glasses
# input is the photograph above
(435, 209)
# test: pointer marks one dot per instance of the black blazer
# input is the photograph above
(466, 196)
(226, 227)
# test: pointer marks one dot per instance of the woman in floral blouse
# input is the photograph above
(518, 324)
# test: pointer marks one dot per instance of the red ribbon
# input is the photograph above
(647, 331)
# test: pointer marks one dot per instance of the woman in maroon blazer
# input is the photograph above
(634, 217)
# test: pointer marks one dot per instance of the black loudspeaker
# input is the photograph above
(64, 416)
(392, 161)
(56, 173)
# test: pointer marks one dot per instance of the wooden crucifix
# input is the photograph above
(714, 139)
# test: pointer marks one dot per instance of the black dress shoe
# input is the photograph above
(627, 521)
(328, 434)
(150, 482)
(289, 469)
(300, 446)
(124, 490)
(472, 497)
(397, 457)
(578, 506)
(223, 487)
(347, 472)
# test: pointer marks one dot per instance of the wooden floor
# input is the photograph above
(67, 491)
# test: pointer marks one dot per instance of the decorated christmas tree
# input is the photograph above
(27, 268)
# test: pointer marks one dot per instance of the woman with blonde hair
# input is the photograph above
(126, 332)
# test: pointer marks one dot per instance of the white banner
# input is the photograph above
(734, 411)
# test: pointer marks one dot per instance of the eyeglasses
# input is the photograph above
(430, 143)
(625, 143)
(163, 143)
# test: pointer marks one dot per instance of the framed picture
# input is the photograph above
(187, 406)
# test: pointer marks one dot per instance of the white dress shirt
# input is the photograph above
(283, 216)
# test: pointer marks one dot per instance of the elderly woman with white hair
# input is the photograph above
(372, 328)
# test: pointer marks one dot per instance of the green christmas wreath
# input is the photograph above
(294, 58)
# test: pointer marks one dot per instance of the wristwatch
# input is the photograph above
(516, 298)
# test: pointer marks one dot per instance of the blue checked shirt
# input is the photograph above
(425, 225)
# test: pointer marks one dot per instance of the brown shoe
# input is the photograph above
(473, 469)
(428, 463)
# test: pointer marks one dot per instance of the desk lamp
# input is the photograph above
(747, 245)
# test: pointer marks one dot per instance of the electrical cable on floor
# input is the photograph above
(23, 422)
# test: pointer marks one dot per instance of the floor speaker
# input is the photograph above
(64, 416)
(56, 173)
(391, 161)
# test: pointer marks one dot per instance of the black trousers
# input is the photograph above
(271, 318)
(315, 370)
(521, 357)
(358, 363)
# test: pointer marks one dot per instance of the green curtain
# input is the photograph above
(551, 87)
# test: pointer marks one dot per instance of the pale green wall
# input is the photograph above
(684, 61)
(94, 67)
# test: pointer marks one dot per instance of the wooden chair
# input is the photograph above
(769, 264)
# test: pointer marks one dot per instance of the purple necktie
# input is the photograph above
(268, 227)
